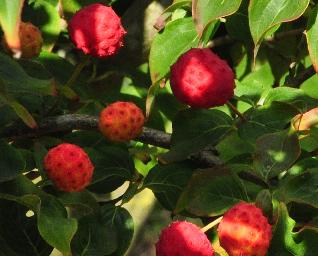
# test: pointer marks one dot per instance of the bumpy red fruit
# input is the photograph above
(245, 231)
(201, 79)
(97, 30)
(183, 238)
(30, 39)
(69, 167)
(121, 121)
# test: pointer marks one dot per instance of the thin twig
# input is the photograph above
(212, 224)
(235, 110)
(77, 71)
(301, 77)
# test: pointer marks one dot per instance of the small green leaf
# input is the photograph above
(166, 14)
(83, 202)
(283, 243)
(255, 85)
(275, 153)
(233, 146)
(167, 182)
(195, 129)
(302, 188)
(11, 161)
(250, 131)
(211, 192)
(106, 233)
(122, 220)
(264, 202)
(206, 11)
(312, 36)
(296, 97)
(113, 166)
(21, 83)
(18, 233)
(308, 236)
(266, 14)
(167, 47)
(280, 114)
(53, 224)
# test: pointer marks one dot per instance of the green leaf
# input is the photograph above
(53, 224)
(106, 233)
(264, 201)
(52, 221)
(275, 153)
(11, 161)
(266, 14)
(113, 166)
(309, 86)
(21, 83)
(167, 182)
(308, 236)
(18, 232)
(10, 12)
(122, 220)
(274, 115)
(283, 243)
(233, 146)
(303, 165)
(195, 129)
(19, 109)
(237, 25)
(167, 13)
(250, 131)
(302, 188)
(312, 36)
(211, 192)
(206, 11)
(83, 202)
(293, 96)
(56, 65)
(254, 85)
(167, 47)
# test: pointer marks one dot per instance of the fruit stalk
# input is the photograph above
(212, 224)
(235, 110)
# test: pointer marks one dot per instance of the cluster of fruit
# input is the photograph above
(200, 79)
(243, 231)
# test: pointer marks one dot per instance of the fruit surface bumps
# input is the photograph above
(201, 79)
(183, 238)
(245, 231)
(30, 39)
(121, 121)
(69, 167)
(97, 30)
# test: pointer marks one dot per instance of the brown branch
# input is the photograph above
(71, 122)
(301, 77)
(66, 123)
